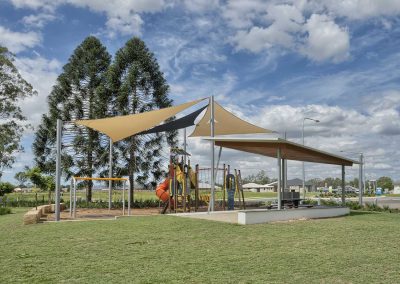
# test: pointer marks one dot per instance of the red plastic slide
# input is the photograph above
(162, 190)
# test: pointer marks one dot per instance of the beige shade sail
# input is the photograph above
(226, 123)
(120, 127)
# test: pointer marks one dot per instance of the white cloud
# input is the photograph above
(241, 14)
(38, 20)
(275, 99)
(18, 41)
(123, 26)
(200, 6)
(319, 38)
(260, 26)
(358, 9)
(326, 40)
(123, 17)
(285, 20)
(48, 5)
(41, 73)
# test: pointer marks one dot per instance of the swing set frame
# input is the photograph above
(72, 193)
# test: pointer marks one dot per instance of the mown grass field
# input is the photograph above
(361, 248)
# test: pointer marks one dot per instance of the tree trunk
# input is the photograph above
(90, 166)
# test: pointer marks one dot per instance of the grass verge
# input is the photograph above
(360, 248)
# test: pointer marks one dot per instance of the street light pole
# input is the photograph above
(360, 176)
(304, 171)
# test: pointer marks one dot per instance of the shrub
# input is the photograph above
(372, 207)
(310, 201)
(5, 210)
(354, 205)
(329, 203)
(22, 203)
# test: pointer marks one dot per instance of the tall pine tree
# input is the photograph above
(138, 85)
(79, 93)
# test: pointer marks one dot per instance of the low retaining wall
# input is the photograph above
(221, 216)
(33, 215)
(258, 216)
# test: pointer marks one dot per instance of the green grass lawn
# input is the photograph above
(361, 248)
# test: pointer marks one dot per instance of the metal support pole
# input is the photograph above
(279, 189)
(360, 181)
(212, 200)
(123, 198)
(110, 176)
(129, 202)
(224, 188)
(343, 186)
(285, 171)
(218, 160)
(70, 198)
(196, 190)
(283, 176)
(184, 145)
(74, 181)
(58, 169)
(304, 171)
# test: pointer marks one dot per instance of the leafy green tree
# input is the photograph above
(316, 182)
(354, 182)
(21, 178)
(138, 86)
(13, 89)
(6, 187)
(334, 182)
(44, 182)
(80, 93)
(260, 178)
(385, 183)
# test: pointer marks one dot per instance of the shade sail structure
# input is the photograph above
(289, 150)
(176, 124)
(120, 127)
(226, 123)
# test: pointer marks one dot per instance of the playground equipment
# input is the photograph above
(177, 190)
(121, 127)
(72, 202)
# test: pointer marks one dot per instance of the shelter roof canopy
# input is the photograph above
(289, 150)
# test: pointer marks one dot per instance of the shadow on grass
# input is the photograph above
(357, 213)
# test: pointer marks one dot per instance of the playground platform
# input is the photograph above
(259, 216)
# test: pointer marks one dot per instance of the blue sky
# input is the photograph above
(271, 62)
